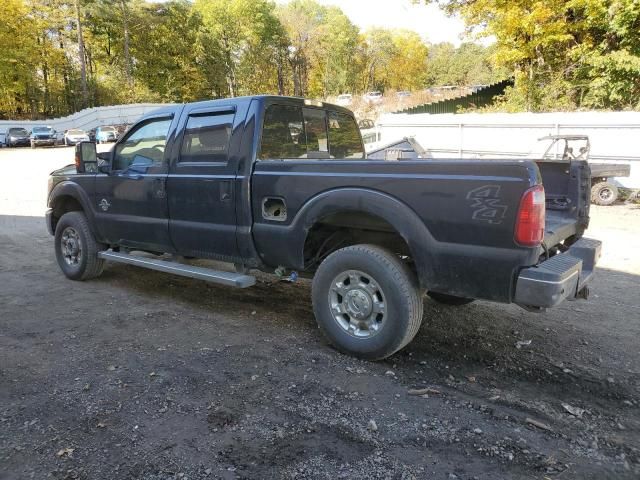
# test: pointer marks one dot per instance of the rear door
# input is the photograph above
(201, 185)
(131, 201)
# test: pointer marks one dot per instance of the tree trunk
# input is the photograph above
(280, 72)
(127, 55)
(81, 58)
(230, 75)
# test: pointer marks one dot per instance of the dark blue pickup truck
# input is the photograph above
(283, 185)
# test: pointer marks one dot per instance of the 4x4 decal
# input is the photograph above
(486, 204)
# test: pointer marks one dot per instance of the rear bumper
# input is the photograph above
(564, 276)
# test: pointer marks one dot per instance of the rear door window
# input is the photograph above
(206, 138)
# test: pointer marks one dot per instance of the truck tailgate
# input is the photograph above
(567, 189)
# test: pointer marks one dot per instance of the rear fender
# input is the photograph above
(399, 215)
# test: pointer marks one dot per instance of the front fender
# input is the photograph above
(272, 238)
(69, 189)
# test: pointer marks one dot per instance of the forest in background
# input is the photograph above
(59, 56)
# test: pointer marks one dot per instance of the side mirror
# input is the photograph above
(86, 157)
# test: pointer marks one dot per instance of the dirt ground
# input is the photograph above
(142, 375)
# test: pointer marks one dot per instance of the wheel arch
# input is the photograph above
(371, 204)
(69, 197)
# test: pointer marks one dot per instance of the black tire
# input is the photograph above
(73, 230)
(604, 193)
(449, 299)
(395, 289)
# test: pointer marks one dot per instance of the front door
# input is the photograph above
(200, 186)
(131, 201)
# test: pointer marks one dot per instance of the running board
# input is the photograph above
(238, 280)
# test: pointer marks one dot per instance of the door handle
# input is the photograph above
(225, 190)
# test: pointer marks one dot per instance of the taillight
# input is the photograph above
(530, 219)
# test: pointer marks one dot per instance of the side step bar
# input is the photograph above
(231, 279)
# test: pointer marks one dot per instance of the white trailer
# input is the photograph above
(613, 135)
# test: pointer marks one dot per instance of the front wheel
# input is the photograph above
(366, 301)
(76, 247)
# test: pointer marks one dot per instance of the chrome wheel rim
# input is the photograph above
(70, 246)
(357, 303)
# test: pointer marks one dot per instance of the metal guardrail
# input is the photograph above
(89, 117)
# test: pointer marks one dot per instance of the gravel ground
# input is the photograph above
(143, 375)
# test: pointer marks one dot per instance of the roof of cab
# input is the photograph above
(177, 107)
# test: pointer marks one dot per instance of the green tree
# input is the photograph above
(408, 67)
(322, 45)
(469, 64)
(563, 53)
(233, 29)
(17, 79)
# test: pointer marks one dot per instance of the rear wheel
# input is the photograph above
(366, 301)
(76, 248)
(604, 193)
(449, 299)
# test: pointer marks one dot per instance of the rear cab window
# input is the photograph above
(292, 132)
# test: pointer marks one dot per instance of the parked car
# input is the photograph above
(373, 97)
(43, 136)
(106, 133)
(403, 94)
(75, 135)
(17, 137)
(344, 99)
(201, 180)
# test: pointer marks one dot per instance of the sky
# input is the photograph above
(428, 20)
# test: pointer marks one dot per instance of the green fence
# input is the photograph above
(480, 98)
